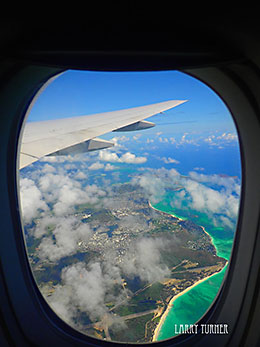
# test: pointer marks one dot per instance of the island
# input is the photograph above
(186, 252)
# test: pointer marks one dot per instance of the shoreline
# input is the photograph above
(170, 305)
(170, 214)
(211, 238)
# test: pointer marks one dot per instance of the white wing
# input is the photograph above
(78, 134)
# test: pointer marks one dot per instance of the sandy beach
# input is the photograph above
(170, 305)
(208, 235)
(156, 209)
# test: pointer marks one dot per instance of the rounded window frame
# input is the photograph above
(226, 83)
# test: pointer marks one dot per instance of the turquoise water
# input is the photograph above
(191, 306)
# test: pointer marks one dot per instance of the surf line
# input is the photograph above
(170, 305)
(170, 214)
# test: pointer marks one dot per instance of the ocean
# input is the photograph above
(192, 305)
(205, 159)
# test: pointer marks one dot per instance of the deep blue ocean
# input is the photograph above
(204, 159)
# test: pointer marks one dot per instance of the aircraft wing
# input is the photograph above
(79, 134)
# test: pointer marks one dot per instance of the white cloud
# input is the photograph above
(219, 204)
(96, 166)
(137, 136)
(66, 233)
(118, 141)
(80, 175)
(228, 137)
(48, 168)
(155, 182)
(62, 304)
(170, 160)
(204, 198)
(108, 156)
(62, 192)
(153, 187)
(210, 140)
(82, 288)
(223, 139)
(68, 197)
(31, 198)
(132, 159)
(210, 194)
(185, 140)
(88, 287)
(144, 260)
(127, 157)
(109, 167)
(163, 140)
(230, 183)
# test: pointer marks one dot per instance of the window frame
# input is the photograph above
(27, 314)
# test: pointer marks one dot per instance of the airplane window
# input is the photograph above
(129, 232)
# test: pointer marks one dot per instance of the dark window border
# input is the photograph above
(27, 315)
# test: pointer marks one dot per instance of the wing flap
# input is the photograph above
(141, 125)
(86, 146)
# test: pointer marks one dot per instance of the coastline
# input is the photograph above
(181, 219)
(170, 305)
(170, 214)
(211, 238)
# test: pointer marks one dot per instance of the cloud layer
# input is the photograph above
(216, 196)
(127, 157)
(66, 233)
(51, 192)
(88, 287)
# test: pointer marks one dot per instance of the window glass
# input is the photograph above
(131, 243)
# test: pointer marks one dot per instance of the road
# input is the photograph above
(140, 314)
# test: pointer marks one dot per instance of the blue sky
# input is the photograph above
(75, 93)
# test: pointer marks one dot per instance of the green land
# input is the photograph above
(191, 256)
